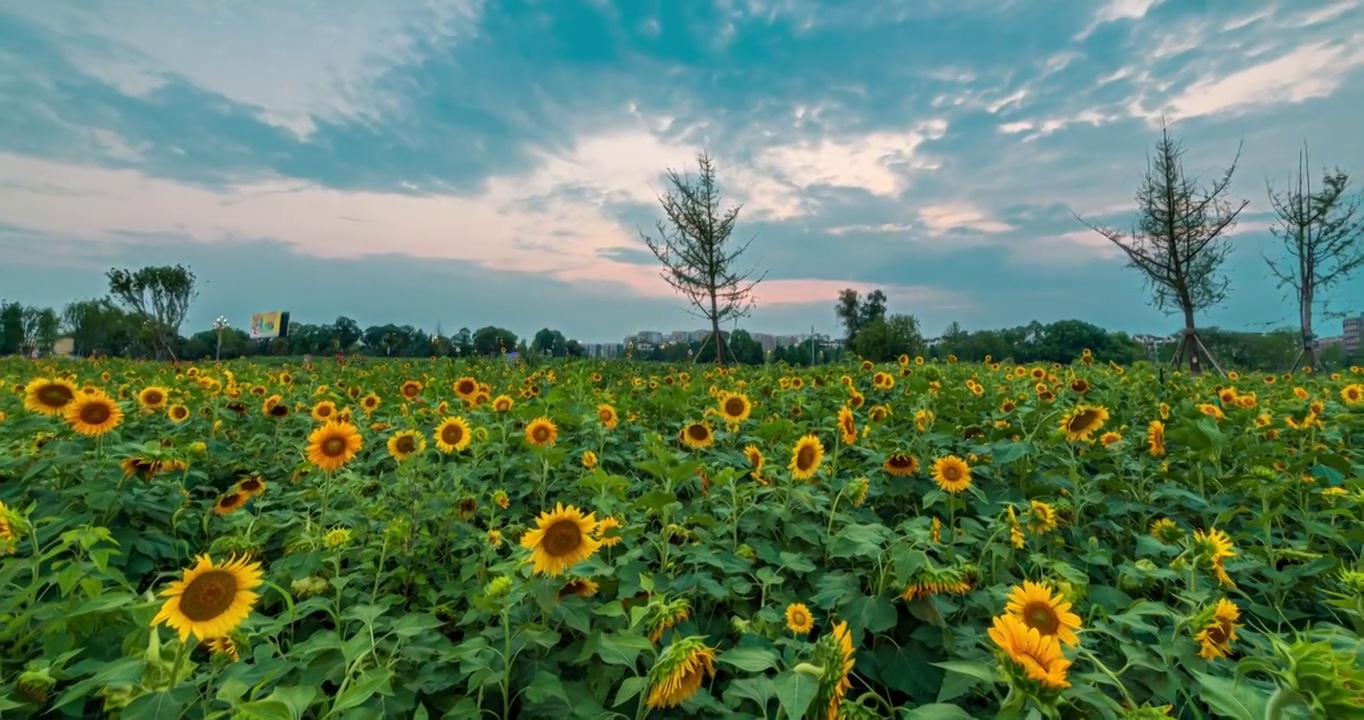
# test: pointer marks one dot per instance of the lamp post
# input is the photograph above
(219, 326)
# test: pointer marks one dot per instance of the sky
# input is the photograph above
(469, 162)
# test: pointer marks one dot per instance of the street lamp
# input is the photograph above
(219, 326)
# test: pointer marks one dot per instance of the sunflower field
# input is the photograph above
(479, 539)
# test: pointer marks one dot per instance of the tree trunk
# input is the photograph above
(715, 330)
(1309, 353)
(1191, 345)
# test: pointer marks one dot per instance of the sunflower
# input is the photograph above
(806, 457)
(503, 403)
(324, 411)
(607, 416)
(1082, 422)
(798, 619)
(589, 459)
(1038, 656)
(900, 464)
(952, 474)
(735, 407)
(48, 396)
(604, 534)
(225, 646)
(210, 600)
(333, 445)
(370, 403)
(153, 397)
(582, 587)
(230, 502)
(561, 539)
(406, 443)
(679, 671)
(755, 460)
(1352, 394)
(1044, 611)
(452, 435)
(847, 427)
(1155, 438)
(6, 529)
(541, 432)
(833, 652)
(410, 389)
(177, 413)
(1217, 629)
(466, 388)
(697, 435)
(93, 414)
(251, 486)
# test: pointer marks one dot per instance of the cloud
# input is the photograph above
(1115, 10)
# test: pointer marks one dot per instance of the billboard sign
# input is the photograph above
(271, 324)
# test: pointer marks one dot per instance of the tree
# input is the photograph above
(1320, 233)
(345, 333)
(693, 244)
(1178, 241)
(492, 340)
(885, 339)
(11, 328)
(549, 342)
(855, 313)
(159, 297)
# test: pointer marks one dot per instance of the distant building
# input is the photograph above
(1351, 328)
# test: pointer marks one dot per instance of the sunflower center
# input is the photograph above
(734, 407)
(250, 485)
(406, 444)
(697, 432)
(540, 433)
(179, 412)
(951, 473)
(452, 434)
(604, 416)
(562, 538)
(333, 446)
(209, 596)
(1041, 617)
(55, 395)
(95, 413)
(1081, 421)
(154, 398)
(1219, 632)
(324, 410)
(279, 410)
(465, 388)
(805, 457)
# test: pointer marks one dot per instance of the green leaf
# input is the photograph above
(749, 659)
(758, 688)
(629, 688)
(545, 687)
(263, 710)
(621, 648)
(296, 698)
(936, 711)
(413, 624)
(872, 614)
(1229, 699)
(977, 670)
(795, 692)
(155, 706)
(99, 604)
(362, 690)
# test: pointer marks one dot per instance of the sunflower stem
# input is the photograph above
(181, 654)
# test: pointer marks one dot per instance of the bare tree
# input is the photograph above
(1321, 233)
(1178, 241)
(693, 243)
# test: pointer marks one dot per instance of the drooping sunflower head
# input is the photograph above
(847, 426)
(251, 486)
(1155, 438)
(541, 432)
(679, 671)
(93, 414)
(833, 652)
(561, 539)
(806, 457)
(210, 600)
(581, 587)
(697, 435)
(756, 460)
(153, 397)
(333, 444)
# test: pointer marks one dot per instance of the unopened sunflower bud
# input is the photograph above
(498, 587)
(36, 684)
